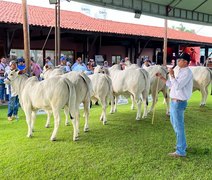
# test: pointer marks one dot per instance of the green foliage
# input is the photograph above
(122, 149)
(183, 28)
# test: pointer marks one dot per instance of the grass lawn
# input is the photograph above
(122, 149)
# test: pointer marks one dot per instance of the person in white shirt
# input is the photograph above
(13, 104)
(180, 91)
(146, 63)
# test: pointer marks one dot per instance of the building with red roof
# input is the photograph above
(86, 36)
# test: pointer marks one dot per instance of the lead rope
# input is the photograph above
(156, 96)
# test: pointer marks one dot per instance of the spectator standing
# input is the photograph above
(90, 66)
(79, 65)
(105, 65)
(63, 65)
(127, 61)
(48, 62)
(146, 63)
(3, 66)
(35, 68)
(122, 64)
(21, 63)
(13, 104)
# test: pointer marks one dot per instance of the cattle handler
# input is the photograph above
(180, 91)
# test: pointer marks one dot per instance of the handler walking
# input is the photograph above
(180, 91)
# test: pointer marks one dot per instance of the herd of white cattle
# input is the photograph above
(67, 91)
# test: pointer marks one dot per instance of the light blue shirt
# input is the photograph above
(79, 67)
(181, 86)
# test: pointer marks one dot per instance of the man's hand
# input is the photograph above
(171, 72)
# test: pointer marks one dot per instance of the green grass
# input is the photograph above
(123, 149)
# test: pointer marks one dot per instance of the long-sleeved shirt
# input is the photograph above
(79, 67)
(181, 86)
(9, 89)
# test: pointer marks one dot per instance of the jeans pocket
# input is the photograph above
(182, 105)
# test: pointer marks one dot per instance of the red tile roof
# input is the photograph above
(39, 16)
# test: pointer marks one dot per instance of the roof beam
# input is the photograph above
(158, 9)
(200, 5)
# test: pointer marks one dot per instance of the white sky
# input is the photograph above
(121, 16)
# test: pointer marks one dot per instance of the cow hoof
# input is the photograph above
(76, 139)
(168, 114)
(29, 135)
(67, 124)
(138, 118)
(202, 105)
(111, 112)
(47, 126)
(53, 139)
(86, 129)
(104, 122)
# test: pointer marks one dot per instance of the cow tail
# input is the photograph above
(88, 84)
(147, 82)
(72, 97)
(109, 81)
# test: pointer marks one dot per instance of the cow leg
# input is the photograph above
(86, 112)
(33, 120)
(167, 99)
(66, 112)
(28, 114)
(116, 102)
(77, 117)
(104, 106)
(204, 92)
(145, 96)
(74, 123)
(133, 102)
(48, 119)
(154, 100)
(56, 114)
(138, 100)
(112, 104)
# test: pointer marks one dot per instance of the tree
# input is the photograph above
(183, 28)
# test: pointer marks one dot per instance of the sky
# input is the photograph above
(120, 16)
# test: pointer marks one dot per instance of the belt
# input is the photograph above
(177, 100)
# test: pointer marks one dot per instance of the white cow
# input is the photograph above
(135, 82)
(84, 91)
(156, 85)
(83, 88)
(49, 72)
(34, 95)
(102, 89)
(202, 79)
(101, 69)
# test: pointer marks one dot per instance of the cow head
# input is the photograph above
(12, 76)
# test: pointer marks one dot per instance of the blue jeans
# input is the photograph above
(2, 91)
(177, 110)
(13, 106)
